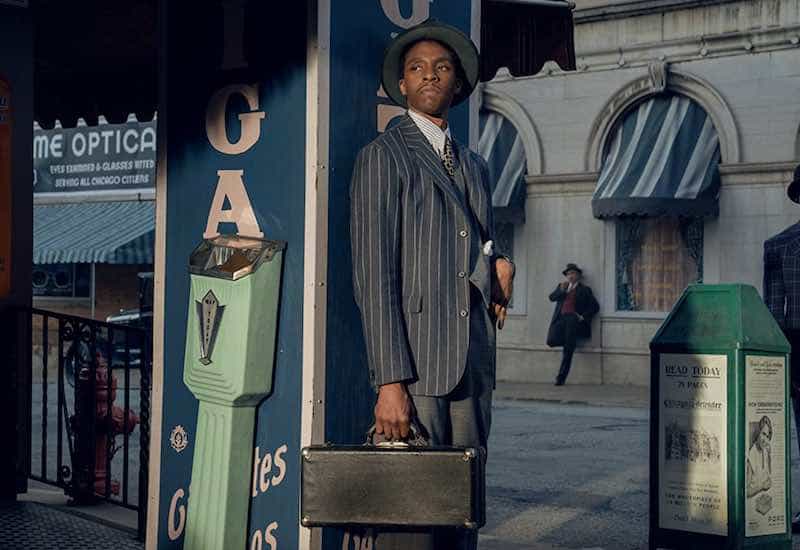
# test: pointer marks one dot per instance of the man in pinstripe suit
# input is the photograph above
(782, 295)
(427, 281)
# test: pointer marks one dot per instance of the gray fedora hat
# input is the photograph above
(430, 29)
(794, 188)
(572, 267)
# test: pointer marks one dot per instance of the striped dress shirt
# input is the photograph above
(435, 135)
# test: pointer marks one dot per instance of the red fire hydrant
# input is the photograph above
(119, 425)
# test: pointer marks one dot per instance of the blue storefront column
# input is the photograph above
(267, 104)
(232, 118)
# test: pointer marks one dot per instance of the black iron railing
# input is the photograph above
(91, 395)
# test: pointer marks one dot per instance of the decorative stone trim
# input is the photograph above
(546, 185)
(757, 173)
(638, 7)
(747, 42)
(504, 104)
(679, 82)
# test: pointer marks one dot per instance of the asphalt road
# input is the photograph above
(571, 476)
(559, 476)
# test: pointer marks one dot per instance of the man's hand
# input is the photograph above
(393, 411)
(564, 285)
(502, 288)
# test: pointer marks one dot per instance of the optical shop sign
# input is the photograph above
(95, 158)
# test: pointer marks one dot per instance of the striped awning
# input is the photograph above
(501, 146)
(661, 160)
(97, 232)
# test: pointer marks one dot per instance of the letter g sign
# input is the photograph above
(419, 12)
(250, 122)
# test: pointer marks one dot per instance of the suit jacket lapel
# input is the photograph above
(479, 202)
(421, 148)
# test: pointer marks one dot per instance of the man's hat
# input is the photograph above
(572, 267)
(430, 29)
(794, 188)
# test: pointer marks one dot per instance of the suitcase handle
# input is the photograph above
(415, 439)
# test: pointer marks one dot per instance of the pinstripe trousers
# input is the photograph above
(461, 418)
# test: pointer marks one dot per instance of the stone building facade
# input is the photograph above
(737, 60)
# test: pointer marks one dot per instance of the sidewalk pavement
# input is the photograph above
(603, 395)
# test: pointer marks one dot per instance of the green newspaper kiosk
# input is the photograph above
(719, 424)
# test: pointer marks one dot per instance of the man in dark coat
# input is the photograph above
(782, 295)
(429, 283)
(572, 317)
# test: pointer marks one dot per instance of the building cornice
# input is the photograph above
(579, 183)
(757, 173)
(632, 8)
(696, 48)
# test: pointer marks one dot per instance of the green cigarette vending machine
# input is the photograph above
(719, 424)
(230, 351)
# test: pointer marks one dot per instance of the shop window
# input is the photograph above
(62, 280)
(657, 258)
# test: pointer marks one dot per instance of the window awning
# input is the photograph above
(501, 146)
(662, 159)
(523, 35)
(120, 232)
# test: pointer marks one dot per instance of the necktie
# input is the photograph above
(449, 158)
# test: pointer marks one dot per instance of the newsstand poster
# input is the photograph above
(5, 188)
(765, 445)
(693, 461)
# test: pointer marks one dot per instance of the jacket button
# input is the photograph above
(462, 274)
(464, 313)
(463, 233)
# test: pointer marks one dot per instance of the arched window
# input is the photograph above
(659, 179)
(501, 145)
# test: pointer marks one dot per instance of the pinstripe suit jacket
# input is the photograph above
(782, 276)
(416, 252)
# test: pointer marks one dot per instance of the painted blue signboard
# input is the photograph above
(234, 121)
(233, 113)
(359, 111)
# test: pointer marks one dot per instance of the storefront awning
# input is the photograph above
(100, 232)
(522, 35)
(501, 146)
(662, 159)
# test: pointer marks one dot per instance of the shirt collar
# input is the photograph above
(435, 135)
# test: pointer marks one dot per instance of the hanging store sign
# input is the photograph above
(17, 3)
(95, 158)
(5, 189)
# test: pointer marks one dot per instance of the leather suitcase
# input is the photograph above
(392, 486)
